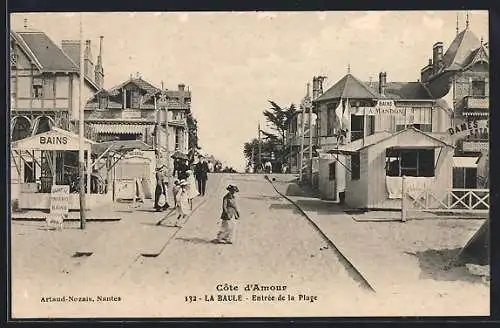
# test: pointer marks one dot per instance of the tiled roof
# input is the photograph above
(406, 90)
(48, 54)
(460, 49)
(349, 87)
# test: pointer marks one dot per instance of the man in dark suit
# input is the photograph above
(201, 174)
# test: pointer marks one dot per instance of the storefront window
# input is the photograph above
(464, 177)
(410, 162)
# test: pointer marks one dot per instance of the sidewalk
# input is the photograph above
(397, 258)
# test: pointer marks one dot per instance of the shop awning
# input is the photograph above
(470, 162)
(120, 128)
(120, 145)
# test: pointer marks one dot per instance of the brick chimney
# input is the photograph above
(99, 70)
(315, 87)
(72, 49)
(88, 65)
(318, 86)
(181, 87)
(382, 82)
(437, 55)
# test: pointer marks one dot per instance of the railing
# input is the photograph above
(475, 102)
(452, 200)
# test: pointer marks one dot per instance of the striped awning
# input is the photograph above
(465, 162)
(120, 128)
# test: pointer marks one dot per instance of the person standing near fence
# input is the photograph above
(201, 173)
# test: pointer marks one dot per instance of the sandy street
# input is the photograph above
(279, 265)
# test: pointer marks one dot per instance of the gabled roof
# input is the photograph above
(348, 87)
(47, 53)
(477, 55)
(142, 84)
(460, 49)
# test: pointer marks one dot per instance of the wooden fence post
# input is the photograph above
(403, 194)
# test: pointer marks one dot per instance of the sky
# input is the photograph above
(234, 62)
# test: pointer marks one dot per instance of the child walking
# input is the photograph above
(229, 214)
(182, 203)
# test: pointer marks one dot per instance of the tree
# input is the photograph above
(192, 125)
(269, 146)
(279, 118)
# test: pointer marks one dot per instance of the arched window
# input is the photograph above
(43, 124)
(20, 128)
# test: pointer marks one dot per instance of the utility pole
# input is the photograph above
(309, 107)
(260, 148)
(252, 164)
(163, 106)
(81, 155)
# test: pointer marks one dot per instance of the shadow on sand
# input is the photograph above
(196, 240)
(319, 206)
(435, 264)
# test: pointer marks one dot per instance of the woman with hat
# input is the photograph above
(160, 189)
(229, 214)
(182, 202)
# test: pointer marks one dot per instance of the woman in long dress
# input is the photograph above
(192, 188)
(182, 203)
(230, 214)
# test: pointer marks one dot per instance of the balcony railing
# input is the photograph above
(474, 102)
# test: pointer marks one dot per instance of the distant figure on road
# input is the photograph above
(201, 173)
(284, 168)
(268, 167)
(182, 202)
(229, 214)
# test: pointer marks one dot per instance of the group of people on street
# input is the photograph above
(188, 184)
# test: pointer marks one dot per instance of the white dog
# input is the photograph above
(55, 221)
